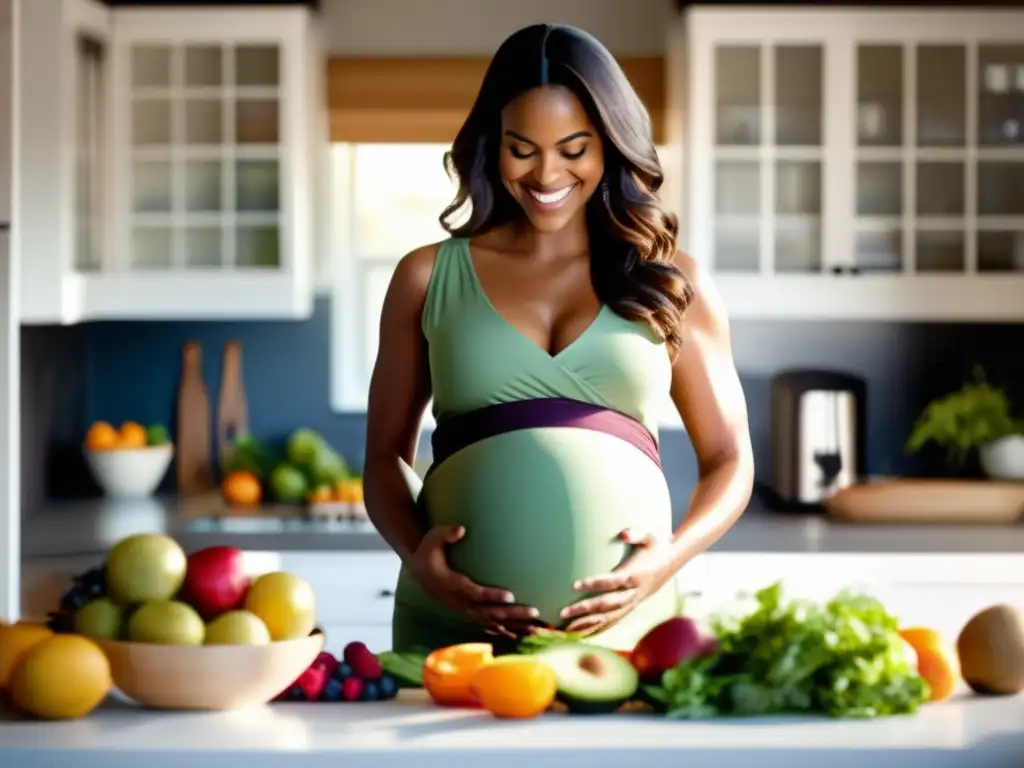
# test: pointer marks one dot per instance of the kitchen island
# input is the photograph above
(967, 732)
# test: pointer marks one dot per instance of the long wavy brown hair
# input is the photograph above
(632, 236)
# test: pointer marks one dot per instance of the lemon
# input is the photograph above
(63, 677)
(285, 603)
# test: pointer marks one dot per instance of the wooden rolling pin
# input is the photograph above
(195, 473)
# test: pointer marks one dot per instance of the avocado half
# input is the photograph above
(591, 679)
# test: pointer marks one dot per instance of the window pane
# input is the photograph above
(399, 191)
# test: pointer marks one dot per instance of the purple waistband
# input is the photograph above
(461, 431)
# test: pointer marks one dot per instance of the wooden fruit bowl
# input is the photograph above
(208, 677)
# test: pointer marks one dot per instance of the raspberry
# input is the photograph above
(312, 682)
(362, 661)
(328, 662)
(353, 648)
(352, 689)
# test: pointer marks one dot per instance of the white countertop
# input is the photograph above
(967, 732)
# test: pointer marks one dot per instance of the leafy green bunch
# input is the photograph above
(965, 420)
(841, 658)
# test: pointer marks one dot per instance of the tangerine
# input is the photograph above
(448, 672)
(242, 489)
(133, 435)
(937, 660)
(15, 641)
(515, 687)
(63, 677)
(101, 437)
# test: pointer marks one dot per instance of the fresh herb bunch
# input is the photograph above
(965, 420)
(843, 658)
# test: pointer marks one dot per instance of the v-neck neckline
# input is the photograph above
(467, 253)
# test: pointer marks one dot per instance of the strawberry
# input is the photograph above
(328, 662)
(352, 689)
(364, 664)
(312, 682)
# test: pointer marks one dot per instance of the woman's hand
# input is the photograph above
(493, 608)
(647, 569)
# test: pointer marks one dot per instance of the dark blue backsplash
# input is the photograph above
(131, 371)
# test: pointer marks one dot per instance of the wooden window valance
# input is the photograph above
(421, 100)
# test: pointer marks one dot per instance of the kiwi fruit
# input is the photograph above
(991, 651)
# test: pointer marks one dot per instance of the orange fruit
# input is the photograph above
(101, 437)
(320, 495)
(15, 641)
(242, 489)
(515, 687)
(63, 677)
(937, 660)
(133, 435)
(448, 672)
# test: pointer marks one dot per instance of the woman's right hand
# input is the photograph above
(493, 608)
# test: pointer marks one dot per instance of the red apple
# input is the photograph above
(668, 644)
(215, 580)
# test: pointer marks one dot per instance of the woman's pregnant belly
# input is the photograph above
(543, 508)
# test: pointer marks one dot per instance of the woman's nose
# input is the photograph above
(548, 170)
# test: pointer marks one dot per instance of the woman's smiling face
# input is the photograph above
(552, 159)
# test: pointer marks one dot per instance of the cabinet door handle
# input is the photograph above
(386, 593)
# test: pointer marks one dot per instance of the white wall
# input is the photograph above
(477, 27)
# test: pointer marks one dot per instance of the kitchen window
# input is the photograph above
(388, 198)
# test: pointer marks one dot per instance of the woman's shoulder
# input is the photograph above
(414, 269)
(707, 311)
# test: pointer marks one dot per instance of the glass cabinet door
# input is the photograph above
(939, 159)
(1000, 170)
(768, 158)
(878, 232)
(205, 134)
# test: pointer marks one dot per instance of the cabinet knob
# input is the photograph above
(386, 593)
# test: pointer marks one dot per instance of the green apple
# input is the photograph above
(237, 628)
(145, 567)
(100, 618)
(166, 622)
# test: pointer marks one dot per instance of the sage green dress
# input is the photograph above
(541, 507)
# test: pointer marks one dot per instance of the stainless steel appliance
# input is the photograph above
(817, 435)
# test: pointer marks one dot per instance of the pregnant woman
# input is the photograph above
(548, 330)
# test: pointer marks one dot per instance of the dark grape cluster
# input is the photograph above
(85, 586)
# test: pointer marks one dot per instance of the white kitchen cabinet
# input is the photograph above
(173, 153)
(856, 163)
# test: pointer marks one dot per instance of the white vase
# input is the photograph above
(1003, 459)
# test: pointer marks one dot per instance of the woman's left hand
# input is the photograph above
(648, 568)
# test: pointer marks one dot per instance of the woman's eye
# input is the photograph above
(574, 155)
(519, 154)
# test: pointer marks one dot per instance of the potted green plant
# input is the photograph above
(977, 417)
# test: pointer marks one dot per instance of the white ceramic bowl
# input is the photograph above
(131, 473)
(1004, 459)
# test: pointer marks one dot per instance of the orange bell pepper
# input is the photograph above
(448, 673)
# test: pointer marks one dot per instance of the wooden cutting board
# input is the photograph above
(232, 404)
(195, 473)
(908, 500)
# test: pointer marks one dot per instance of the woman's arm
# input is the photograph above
(706, 390)
(399, 393)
